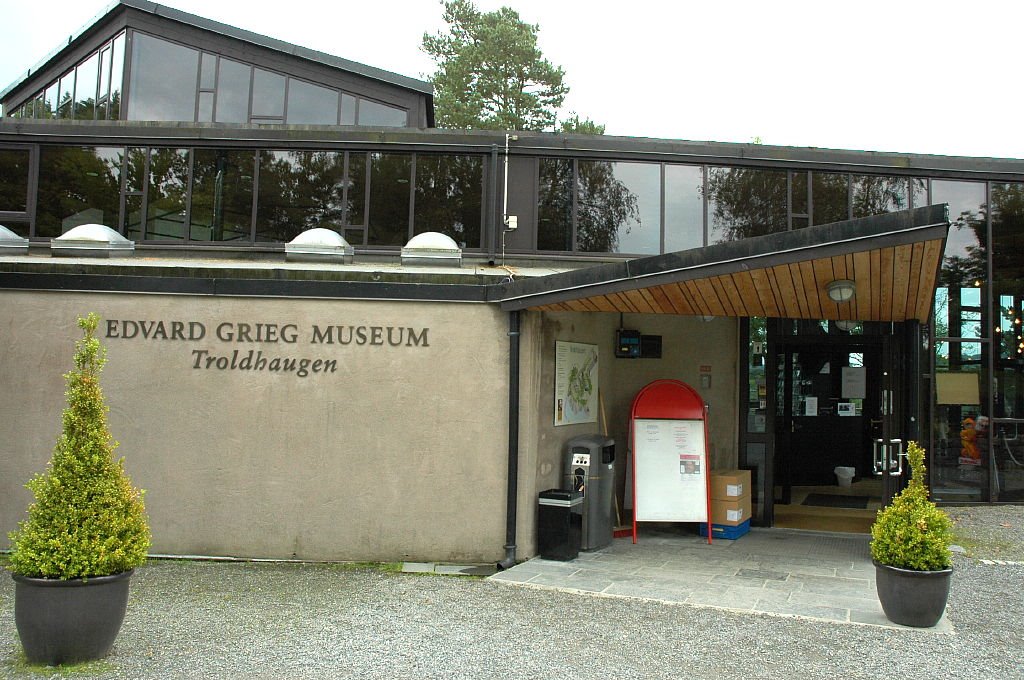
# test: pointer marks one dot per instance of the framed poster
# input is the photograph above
(575, 383)
(671, 471)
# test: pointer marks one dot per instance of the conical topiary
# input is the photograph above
(912, 532)
(87, 519)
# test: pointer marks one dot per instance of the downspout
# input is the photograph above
(513, 441)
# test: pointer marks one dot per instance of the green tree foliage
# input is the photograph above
(491, 74)
(912, 532)
(87, 519)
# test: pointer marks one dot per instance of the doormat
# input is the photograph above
(824, 500)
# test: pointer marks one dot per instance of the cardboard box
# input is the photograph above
(730, 513)
(730, 484)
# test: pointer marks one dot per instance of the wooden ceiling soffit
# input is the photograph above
(892, 259)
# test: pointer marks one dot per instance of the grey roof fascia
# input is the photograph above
(239, 34)
(897, 228)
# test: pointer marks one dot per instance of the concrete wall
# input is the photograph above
(688, 344)
(398, 453)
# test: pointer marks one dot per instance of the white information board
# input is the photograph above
(671, 466)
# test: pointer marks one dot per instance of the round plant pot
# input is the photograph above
(912, 598)
(69, 621)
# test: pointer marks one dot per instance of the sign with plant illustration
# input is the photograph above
(575, 383)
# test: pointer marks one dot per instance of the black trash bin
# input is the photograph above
(559, 524)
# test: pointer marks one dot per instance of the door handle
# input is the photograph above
(896, 465)
(879, 456)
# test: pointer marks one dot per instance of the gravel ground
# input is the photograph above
(202, 619)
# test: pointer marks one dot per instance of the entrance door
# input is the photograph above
(826, 407)
(888, 437)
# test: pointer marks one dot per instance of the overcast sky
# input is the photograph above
(927, 77)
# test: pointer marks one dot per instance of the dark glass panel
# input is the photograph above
(389, 198)
(86, 81)
(348, 109)
(299, 190)
(310, 104)
(618, 207)
(449, 190)
(221, 195)
(744, 202)
(831, 195)
(78, 185)
(874, 195)
(116, 77)
(1007, 203)
(135, 184)
(267, 93)
(14, 180)
(959, 472)
(233, 92)
(757, 381)
(66, 95)
(208, 71)
(373, 113)
(355, 237)
(163, 80)
(684, 207)
(798, 193)
(355, 201)
(959, 295)
(167, 199)
(554, 210)
(50, 99)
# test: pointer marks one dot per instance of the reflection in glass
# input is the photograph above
(831, 195)
(66, 95)
(874, 195)
(50, 99)
(757, 381)
(299, 190)
(135, 184)
(554, 212)
(684, 207)
(1007, 203)
(744, 202)
(233, 92)
(310, 104)
(116, 78)
(14, 180)
(267, 94)
(618, 208)
(959, 296)
(221, 207)
(86, 81)
(390, 192)
(167, 198)
(208, 71)
(355, 206)
(918, 192)
(348, 109)
(449, 190)
(372, 113)
(103, 98)
(798, 190)
(163, 80)
(959, 468)
(78, 185)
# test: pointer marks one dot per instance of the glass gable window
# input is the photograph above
(618, 207)
(830, 193)
(874, 195)
(745, 202)
(78, 185)
(684, 207)
(449, 191)
(86, 85)
(310, 104)
(374, 113)
(233, 92)
(163, 80)
(267, 95)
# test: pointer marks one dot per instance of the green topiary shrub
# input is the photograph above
(912, 533)
(87, 519)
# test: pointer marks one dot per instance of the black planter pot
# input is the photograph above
(69, 621)
(912, 598)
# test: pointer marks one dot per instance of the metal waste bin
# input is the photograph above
(589, 467)
(559, 524)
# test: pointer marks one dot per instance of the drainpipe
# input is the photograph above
(513, 441)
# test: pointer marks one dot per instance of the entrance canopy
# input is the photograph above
(889, 262)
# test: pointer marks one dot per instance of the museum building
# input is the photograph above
(337, 332)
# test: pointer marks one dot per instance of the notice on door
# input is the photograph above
(855, 382)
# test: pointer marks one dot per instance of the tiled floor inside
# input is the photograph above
(775, 571)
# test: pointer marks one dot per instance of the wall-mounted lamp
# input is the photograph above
(842, 290)
(707, 317)
(845, 325)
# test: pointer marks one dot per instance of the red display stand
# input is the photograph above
(671, 473)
